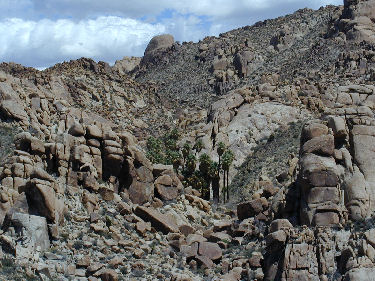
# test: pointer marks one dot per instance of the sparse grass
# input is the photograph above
(11, 271)
(78, 245)
(271, 155)
(7, 134)
(64, 236)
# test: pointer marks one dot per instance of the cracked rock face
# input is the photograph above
(336, 170)
(79, 200)
(358, 20)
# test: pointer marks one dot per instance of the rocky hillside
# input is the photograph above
(292, 98)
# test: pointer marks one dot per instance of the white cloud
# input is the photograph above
(45, 42)
(40, 33)
(80, 9)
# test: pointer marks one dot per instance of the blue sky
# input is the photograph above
(40, 33)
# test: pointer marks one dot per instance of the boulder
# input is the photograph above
(33, 230)
(241, 61)
(313, 130)
(39, 173)
(233, 275)
(276, 238)
(220, 236)
(280, 224)
(166, 188)
(193, 238)
(251, 208)
(338, 126)
(140, 192)
(137, 173)
(77, 130)
(318, 171)
(210, 250)
(323, 145)
(94, 132)
(326, 219)
(204, 261)
(186, 229)
(324, 194)
(156, 45)
(109, 275)
(11, 109)
(189, 251)
(44, 201)
(159, 169)
(161, 222)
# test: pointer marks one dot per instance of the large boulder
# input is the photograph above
(45, 201)
(33, 229)
(251, 208)
(357, 20)
(161, 222)
(168, 186)
(157, 45)
(141, 189)
(210, 250)
(11, 109)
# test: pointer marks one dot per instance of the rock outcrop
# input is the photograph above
(156, 47)
(292, 98)
(357, 20)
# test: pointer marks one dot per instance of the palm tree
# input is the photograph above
(215, 179)
(220, 151)
(198, 146)
(191, 162)
(186, 150)
(204, 167)
(227, 159)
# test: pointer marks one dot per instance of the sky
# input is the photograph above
(41, 33)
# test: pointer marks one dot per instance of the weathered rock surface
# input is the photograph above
(80, 200)
(161, 222)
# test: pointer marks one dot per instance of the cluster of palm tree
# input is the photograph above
(199, 170)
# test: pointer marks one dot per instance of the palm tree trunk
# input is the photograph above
(224, 187)
(215, 189)
(228, 185)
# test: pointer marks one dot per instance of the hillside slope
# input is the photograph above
(292, 98)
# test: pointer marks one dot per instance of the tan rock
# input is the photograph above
(159, 221)
(13, 110)
(314, 130)
(140, 192)
(323, 144)
(189, 251)
(326, 219)
(142, 227)
(41, 174)
(94, 132)
(280, 224)
(165, 188)
(77, 130)
(278, 237)
(222, 225)
(251, 208)
(43, 201)
(192, 238)
(210, 250)
(186, 229)
(204, 261)
(338, 126)
(233, 275)
(106, 193)
(109, 275)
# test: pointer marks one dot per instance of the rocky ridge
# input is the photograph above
(293, 98)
